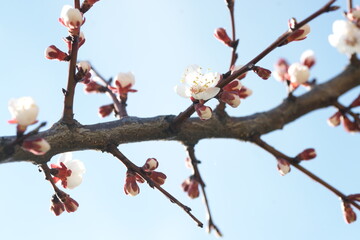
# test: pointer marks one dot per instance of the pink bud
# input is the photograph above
(245, 92)
(91, 2)
(221, 35)
(191, 186)
(281, 69)
(351, 127)
(299, 34)
(57, 207)
(94, 87)
(60, 173)
(204, 112)
(230, 98)
(106, 110)
(262, 72)
(307, 154)
(52, 52)
(38, 146)
(150, 165)
(348, 212)
(158, 177)
(131, 188)
(283, 166)
(334, 120)
(308, 58)
(354, 197)
(356, 102)
(70, 204)
(233, 86)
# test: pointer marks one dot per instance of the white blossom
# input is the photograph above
(345, 37)
(23, 110)
(125, 79)
(197, 84)
(298, 73)
(71, 17)
(77, 169)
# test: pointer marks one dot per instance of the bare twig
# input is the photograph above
(131, 166)
(194, 162)
(277, 154)
(117, 104)
(183, 116)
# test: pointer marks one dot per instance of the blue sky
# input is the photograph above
(156, 40)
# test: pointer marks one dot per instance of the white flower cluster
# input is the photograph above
(346, 34)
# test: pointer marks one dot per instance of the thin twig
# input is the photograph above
(117, 103)
(183, 116)
(277, 154)
(194, 162)
(45, 168)
(344, 109)
(349, 5)
(131, 166)
(234, 40)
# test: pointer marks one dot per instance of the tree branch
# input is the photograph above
(133, 129)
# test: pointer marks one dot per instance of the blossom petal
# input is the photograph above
(207, 94)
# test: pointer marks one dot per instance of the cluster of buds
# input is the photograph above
(297, 73)
(131, 187)
(221, 35)
(346, 33)
(283, 165)
(341, 117)
(24, 112)
(233, 93)
(72, 19)
(61, 203)
(298, 34)
(191, 187)
(68, 170)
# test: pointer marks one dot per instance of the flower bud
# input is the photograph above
(281, 70)
(245, 92)
(221, 35)
(158, 177)
(262, 72)
(348, 212)
(94, 87)
(334, 120)
(351, 127)
(191, 186)
(298, 73)
(131, 188)
(308, 58)
(354, 197)
(24, 111)
(233, 86)
(230, 98)
(204, 112)
(70, 204)
(81, 39)
(71, 18)
(83, 66)
(52, 52)
(307, 154)
(283, 166)
(57, 207)
(150, 165)
(106, 110)
(38, 146)
(299, 34)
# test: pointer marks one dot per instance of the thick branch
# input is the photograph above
(132, 129)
